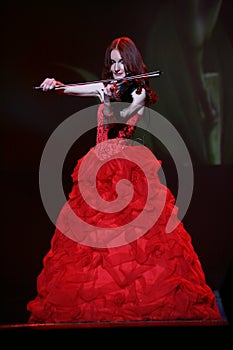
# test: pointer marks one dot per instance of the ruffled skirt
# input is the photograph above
(111, 257)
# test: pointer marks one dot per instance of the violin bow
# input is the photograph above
(111, 81)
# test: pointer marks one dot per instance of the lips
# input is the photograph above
(118, 75)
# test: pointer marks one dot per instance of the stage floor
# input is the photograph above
(120, 324)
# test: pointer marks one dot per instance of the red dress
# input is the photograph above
(89, 275)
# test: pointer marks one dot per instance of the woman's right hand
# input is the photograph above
(50, 84)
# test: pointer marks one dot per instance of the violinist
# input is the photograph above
(150, 276)
(120, 59)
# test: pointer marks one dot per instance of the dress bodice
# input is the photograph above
(109, 128)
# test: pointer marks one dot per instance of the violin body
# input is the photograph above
(122, 91)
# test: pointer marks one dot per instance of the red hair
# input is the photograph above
(133, 63)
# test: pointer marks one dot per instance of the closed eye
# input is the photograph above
(120, 61)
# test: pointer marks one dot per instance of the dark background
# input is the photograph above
(45, 40)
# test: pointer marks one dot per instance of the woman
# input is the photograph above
(127, 274)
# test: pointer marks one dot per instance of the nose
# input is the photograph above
(116, 67)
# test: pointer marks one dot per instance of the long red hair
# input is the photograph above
(133, 63)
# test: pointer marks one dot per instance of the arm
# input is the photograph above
(89, 89)
(136, 106)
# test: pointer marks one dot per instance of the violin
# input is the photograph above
(122, 90)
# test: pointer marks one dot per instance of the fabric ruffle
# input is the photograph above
(155, 276)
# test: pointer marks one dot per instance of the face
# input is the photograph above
(117, 65)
